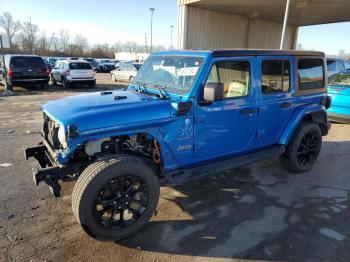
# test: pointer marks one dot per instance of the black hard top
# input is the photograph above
(263, 52)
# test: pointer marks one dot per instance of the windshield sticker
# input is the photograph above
(188, 71)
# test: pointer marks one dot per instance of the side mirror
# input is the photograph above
(213, 92)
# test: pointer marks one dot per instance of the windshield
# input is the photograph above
(340, 79)
(175, 73)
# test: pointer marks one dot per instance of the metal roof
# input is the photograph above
(302, 12)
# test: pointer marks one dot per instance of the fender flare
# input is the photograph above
(315, 113)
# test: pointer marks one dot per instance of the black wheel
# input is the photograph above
(52, 80)
(115, 197)
(65, 84)
(304, 148)
(131, 79)
(44, 85)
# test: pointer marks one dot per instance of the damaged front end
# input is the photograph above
(45, 153)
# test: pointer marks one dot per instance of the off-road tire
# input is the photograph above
(290, 160)
(92, 179)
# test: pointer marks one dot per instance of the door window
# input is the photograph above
(275, 76)
(234, 75)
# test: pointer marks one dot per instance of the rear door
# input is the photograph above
(275, 99)
(80, 70)
(28, 68)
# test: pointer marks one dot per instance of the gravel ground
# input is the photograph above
(256, 212)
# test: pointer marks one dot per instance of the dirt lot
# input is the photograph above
(257, 212)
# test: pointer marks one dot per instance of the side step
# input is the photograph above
(183, 175)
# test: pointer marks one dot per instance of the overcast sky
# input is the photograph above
(109, 21)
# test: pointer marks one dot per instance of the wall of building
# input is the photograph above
(200, 28)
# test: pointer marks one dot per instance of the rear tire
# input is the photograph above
(110, 190)
(304, 148)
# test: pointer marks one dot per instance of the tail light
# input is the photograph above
(67, 73)
(47, 71)
(10, 73)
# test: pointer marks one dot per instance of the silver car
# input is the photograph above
(124, 72)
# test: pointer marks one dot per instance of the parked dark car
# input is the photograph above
(25, 69)
(92, 62)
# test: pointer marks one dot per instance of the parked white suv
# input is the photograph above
(69, 72)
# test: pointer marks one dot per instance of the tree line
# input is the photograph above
(25, 37)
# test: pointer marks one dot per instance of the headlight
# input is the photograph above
(62, 137)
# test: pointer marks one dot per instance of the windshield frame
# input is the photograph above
(172, 90)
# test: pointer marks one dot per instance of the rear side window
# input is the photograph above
(275, 76)
(35, 62)
(79, 66)
(311, 73)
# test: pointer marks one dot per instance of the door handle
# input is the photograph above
(246, 111)
(285, 105)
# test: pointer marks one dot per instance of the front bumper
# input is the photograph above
(50, 172)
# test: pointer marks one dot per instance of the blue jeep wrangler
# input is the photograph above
(186, 114)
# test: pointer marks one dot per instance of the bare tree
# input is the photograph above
(63, 36)
(10, 26)
(31, 32)
(81, 45)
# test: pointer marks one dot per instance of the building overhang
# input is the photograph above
(302, 12)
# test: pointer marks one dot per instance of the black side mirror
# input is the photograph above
(213, 92)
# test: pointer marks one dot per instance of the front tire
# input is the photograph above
(303, 150)
(115, 197)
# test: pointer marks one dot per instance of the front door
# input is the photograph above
(275, 99)
(226, 127)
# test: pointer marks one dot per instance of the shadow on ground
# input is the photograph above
(257, 212)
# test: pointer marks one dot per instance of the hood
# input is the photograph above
(107, 109)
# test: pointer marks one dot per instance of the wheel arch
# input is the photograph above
(316, 114)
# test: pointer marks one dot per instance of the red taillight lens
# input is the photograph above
(67, 73)
(10, 73)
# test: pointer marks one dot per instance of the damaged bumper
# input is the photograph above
(50, 172)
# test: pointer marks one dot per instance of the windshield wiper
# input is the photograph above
(144, 89)
(163, 94)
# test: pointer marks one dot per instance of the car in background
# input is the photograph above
(339, 90)
(92, 62)
(25, 69)
(72, 72)
(51, 61)
(124, 72)
(105, 65)
(336, 65)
